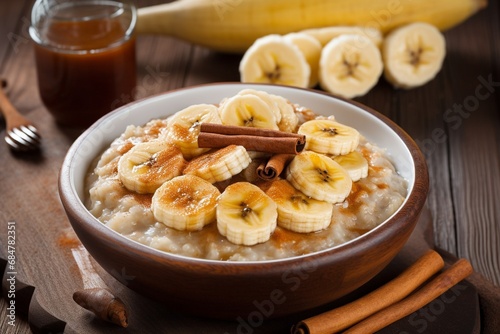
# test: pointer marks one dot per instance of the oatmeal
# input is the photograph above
(373, 192)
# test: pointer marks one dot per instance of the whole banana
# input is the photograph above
(232, 26)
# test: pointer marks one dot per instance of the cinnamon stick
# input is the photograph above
(95, 296)
(453, 275)
(272, 169)
(103, 304)
(345, 316)
(253, 139)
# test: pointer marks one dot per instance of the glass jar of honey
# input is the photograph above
(85, 57)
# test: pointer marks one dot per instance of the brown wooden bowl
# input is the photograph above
(244, 289)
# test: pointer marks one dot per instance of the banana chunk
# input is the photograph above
(311, 49)
(184, 127)
(329, 137)
(185, 203)
(266, 97)
(245, 214)
(319, 177)
(272, 59)
(298, 212)
(325, 34)
(413, 54)
(289, 119)
(146, 166)
(219, 165)
(248, 110)
(354, 163)
(350, 65)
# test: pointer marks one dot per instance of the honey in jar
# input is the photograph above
(85, 57)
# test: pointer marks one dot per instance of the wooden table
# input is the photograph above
(454, 119)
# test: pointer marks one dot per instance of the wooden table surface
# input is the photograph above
(454, 119)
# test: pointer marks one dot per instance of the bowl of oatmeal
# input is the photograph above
(203, 231)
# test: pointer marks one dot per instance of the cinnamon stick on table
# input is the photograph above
(253, 139)
(345, 316)
(439, 285)
(386, 304)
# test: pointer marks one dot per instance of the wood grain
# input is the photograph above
(463, 159)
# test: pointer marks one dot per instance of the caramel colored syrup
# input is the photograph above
(87, 71)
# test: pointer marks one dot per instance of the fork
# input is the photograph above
(21, 135)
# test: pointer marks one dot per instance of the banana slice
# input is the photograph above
(219, 165)
(266, 97)
(354, 163)
(184, 127)
(186, 203)
(146, 166)
(413, 55)
(319, 177)
(329, 137)
(311, 49)
(289, 119)
(325, 34)
(245, 214)
(248, 110)
(272, 59)
(350, 66)
(298, 212)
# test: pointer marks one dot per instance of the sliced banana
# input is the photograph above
(245, 214)
(311, 49)
(185, 203)
(272, 59)
(184, 127)
(248, 110)
(146, 166)
(219, 165)
(266, 97)
(413, 54)
(298, 212)
(325, 34)
(319, 177)
(350, 66)
(354, 163)
(329, 137)
(289, 119)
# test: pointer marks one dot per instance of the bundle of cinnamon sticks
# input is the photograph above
(393, 301)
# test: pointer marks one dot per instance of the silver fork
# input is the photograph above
(21, 135)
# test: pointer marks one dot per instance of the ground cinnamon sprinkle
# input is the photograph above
(125, 147)
(354, 199)
(68, 239)
(142, 199)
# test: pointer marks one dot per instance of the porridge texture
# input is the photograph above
(372, 196)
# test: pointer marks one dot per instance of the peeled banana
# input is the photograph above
(232, 26)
